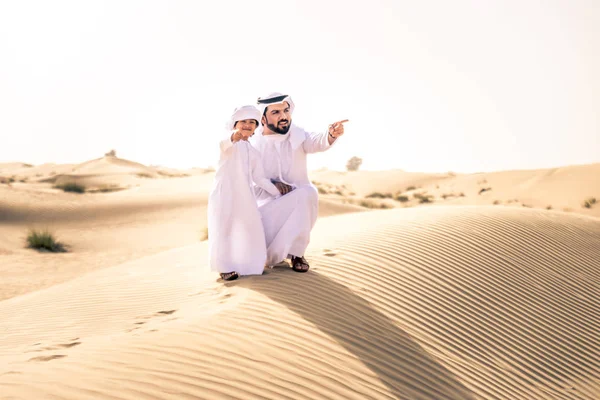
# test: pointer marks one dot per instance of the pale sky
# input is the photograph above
(430, 86)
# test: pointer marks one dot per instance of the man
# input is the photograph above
(288, 220)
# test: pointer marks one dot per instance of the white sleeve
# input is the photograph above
(225, 143)
(258, 176)
(316, 142)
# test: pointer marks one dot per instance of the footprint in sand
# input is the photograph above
(147, 317)
(329, 253)
(55, 347)
(47, 358)
(11, 373)
(169, 312)
(69, 345)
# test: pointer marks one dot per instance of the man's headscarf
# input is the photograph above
(242, 113)
(274, 98)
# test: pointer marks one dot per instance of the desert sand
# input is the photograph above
(472, 294)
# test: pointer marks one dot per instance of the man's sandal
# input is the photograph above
(229, 276)
(299, 264)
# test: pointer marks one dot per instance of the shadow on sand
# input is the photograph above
(399, 362)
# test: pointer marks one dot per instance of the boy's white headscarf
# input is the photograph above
(274, 98)
(242, 113)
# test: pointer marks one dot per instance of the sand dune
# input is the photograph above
(102, 229)
(422, 303)
(565, 188)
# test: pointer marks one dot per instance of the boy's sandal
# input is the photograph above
(229, 276)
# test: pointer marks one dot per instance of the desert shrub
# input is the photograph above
(44, 240)
(410, 188)
(484, 190)
(71, 187)
(423, 197)
(377, 195)
(373, 204)
(402, 198)
(144, 175)
(496, 202)
(354, 164)
(321, 190)
(589, 202)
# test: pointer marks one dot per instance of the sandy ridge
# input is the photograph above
(458, 303)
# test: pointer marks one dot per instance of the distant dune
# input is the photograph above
(566, 188)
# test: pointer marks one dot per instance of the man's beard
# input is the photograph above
(281, 131)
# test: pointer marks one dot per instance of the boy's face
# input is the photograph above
(246, 127)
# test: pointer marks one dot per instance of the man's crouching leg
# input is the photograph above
(288, 222)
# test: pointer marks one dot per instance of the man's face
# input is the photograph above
(246, 127)
(278, 118)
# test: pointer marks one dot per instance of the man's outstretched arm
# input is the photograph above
(317, 142)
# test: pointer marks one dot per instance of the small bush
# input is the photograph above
(548, 207)
(44, 240)
(377, 195)
(423, 198)
(410, 188)
(354, 164)
(321, 190)
(144, 175)
(71, 187)
(462, 194)
(402, 198)
(339, 193)
(496, 202)
(373, 204)
(589, 202)
(484, 190)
